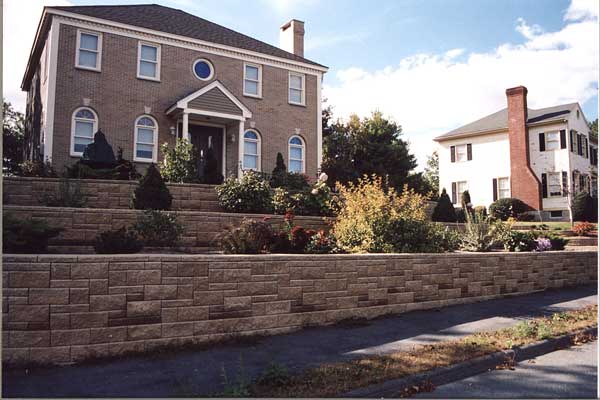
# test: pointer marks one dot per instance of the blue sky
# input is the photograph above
(432, 65)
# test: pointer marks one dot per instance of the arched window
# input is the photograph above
(296, 155)
(145, 139)
(251, 150)
(83, 127)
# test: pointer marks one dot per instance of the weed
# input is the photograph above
(544, 331)
(274, 375)
(241, 386)
(524, 329)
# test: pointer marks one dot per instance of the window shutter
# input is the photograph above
(544, 186)
(469, 152)
(452, 153)
(563, 139)
(573, 180)
(495, 188)
(572, 140)
(586, 147)
(542, 142)
(565, 184)
(454, 197)
(579, 149)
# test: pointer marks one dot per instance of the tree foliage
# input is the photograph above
(432, 172)
(594, 129)
(444, 209)
(13, 134)
(367, 146)
(151, 192)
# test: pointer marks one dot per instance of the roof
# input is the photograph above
(172, 21)
(499, 120)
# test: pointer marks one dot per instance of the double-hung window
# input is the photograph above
(296, 155)
(148, 61)
(252, 80)
(296, 89)
(552, 141)
(251, 158)
(503, 188)
(461, 153)
(146, 139)
(89, 50)
(554, 184)
(83, 127)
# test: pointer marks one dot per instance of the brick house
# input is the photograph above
(541, 157)
(148, 74)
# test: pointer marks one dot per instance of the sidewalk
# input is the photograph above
(200, 373)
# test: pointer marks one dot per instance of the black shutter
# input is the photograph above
(579, 149)
(495, 188)
(544, 186)
(572, 140)
(452, 153)
(585, 141)
(469, 152)
(565, 184)
(454, 197)
(574, 180)
(542, 142)
(563, 139)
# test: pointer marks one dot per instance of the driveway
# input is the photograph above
(569, 373)
(201, 372)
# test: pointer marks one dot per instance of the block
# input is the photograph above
(48, 296)
(89, 320)
(70, 337)
(29, 279)
(108, 302)
(143, 308)
(28, 313)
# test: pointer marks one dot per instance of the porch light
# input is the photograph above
(172, 129)
(233, 138)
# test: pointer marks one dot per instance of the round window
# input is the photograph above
(203, 69)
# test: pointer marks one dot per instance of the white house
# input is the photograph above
(541, 157)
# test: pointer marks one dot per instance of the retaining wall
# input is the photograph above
(61, 309)
(82, 225)
(107, 193)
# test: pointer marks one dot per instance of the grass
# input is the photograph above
(553, 226)
(331, 380)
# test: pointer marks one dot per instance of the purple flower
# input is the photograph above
(543, 244)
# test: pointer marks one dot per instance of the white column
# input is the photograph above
(240, 149)
(185, 129)
(319, 124)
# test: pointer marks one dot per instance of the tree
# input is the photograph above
(444, 209)
(151, 192)
(367, 146)
(594, 129)
(13, 134)
(432, 172)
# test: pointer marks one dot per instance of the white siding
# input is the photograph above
(491, 159)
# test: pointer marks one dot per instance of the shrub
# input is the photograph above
(68, 195)
(250, 237)
(125, 169)
(274, 375)
(481, 210)
(444, 210)
(465, 200)
(322, 243)
(212, 175)
(151, 192)
(519, 241)
(179, 162)
(584, 207)
(367, 212)
(318, 201)
(80, 170)
(557, 242)
(279, 174)
(249, 193)
(583, 228)
(85, 169)
(39, 169)
(503, 209)
(481, 233)
(543, 244)
(26, 236)
(118, 241)
(461, 215)
(525, 216)
(159, 229)
(410, 236)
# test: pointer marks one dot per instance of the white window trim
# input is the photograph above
(99, 51)
(465, 146)
(498, 188)
(560, 184)
(303, 146)
(135, 140)
(258, 150)
(460, 192)
(72, 151)
(212, 69)
(139, 61)
(303, 96)
(259, 81)
(546, 147)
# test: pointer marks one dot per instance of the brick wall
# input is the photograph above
(59, 309)
(107, 193)
(82, 225)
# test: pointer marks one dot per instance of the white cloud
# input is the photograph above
(20, 24)
(582, 9)
(284, 7)
(430, 94)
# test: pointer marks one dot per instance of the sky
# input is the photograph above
(430, 65)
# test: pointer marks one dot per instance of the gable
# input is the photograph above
(214, 100)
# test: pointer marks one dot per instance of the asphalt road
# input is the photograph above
(570, 373)
(200, 372)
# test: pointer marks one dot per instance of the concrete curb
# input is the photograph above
(441, 376)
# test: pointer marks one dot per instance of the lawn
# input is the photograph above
(553, 226)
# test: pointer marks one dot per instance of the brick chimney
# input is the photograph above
(291, 37)
(524, 185)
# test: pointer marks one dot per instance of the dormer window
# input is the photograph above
(148, 61)
(89, 50)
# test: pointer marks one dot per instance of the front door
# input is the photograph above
(203, 139)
